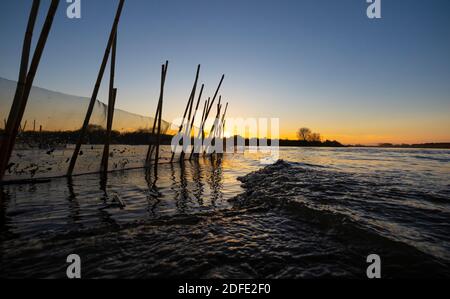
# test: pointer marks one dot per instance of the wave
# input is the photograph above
(352, 206)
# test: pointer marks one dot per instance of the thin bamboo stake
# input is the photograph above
(105, 157)
(193, 118)
(84, 128)
(189, 106)
(14, 112)
(210, 106)
(215, 95)
(7, 141)
(163, 83)
(205, 118)
(22, 99)
(220, 102)
(206, 109)
(152, 141)
(223, 119)
(222, 127)
(200, 128)
(111, 104)
(40, 137)
(212, 132)
(152, 146)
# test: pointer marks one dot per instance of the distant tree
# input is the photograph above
(314, 137)
(303, 134)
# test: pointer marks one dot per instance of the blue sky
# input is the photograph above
(321, 64)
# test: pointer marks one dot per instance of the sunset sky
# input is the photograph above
(319, 64)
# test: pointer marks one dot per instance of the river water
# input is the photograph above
(317, 214)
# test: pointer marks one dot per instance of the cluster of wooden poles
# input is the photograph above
(27, 74)
(25, 83)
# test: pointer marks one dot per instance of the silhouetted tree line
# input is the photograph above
(96, 135)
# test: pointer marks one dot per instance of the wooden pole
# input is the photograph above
(152, 141)
(200, 134)
(189, 105)
(84, 128)
(40, 136)
(215, 95)
(223, 119)
(7, 141)
(152, 145)
(222, 125)
(14, 112)
(212, 132)
(193, 118)
(111, 104)
(210, 107)
(105, 157)
(26, 82)
(196, 108)
(163, 83)
(24, 127)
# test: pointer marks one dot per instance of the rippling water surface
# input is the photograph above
(319, 213)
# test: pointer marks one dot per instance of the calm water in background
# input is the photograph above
(318, 215)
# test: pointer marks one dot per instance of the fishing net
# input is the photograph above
(50, 129)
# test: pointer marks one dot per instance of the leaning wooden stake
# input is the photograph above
(212, 132)
(158, 138)
(208, 110)
(84, 128)
(188, 106)
(222, 123)
(200, 134)
(189, 122)
(105, 157)
(111, 105)
(24, 126)
(193, 120)
(25, 81)
(7, 141)
(215, 95)
(13, 115)
(152, 145)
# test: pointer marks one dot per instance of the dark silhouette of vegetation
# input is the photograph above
(306, 135)
(96, 136)
(286, 142)
(303, 134)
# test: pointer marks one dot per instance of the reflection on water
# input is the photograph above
(319, 217)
